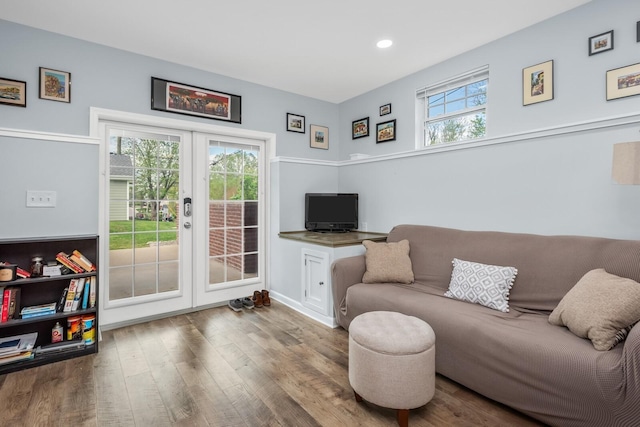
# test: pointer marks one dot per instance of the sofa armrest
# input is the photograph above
(344, 273)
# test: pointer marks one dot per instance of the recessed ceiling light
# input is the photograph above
(383, 44)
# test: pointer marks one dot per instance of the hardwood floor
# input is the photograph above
(262, 367)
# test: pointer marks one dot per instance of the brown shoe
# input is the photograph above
(257, 299)
(265, 297)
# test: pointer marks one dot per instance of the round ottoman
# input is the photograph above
(392, 361)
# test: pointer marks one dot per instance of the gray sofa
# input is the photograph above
(516, 358)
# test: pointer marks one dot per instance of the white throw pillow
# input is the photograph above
(483, 284)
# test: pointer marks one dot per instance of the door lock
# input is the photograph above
(187, 225)
(187, 207)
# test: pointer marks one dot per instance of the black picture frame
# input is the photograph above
(537, 83)
(601, 43)
(55, 85)
(638, 32)
(296, 123)
(386, 131)
(623, 82)
(13, 92)
(360, 128)
(385, 109)
(175, 97)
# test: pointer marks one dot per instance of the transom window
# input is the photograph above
(454, 110)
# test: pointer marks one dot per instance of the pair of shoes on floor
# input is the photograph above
(261, 298)
(239, 303)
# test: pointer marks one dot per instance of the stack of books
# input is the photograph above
(17, 347)
(76, 262)
(38, 310)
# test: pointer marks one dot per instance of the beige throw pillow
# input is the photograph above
(599, 307)
(387, 262)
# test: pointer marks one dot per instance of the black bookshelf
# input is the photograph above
(42, 290)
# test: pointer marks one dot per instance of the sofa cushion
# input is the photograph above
(599, 307)
(483, 284)
(387, 262)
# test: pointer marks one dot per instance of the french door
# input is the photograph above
(184, 220)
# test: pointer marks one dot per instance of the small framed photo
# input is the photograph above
(537, 83)
(385, 109)
(55, 85)
(386, 131)
(601, 43)
(13, 92)
(360, 128)
(623, 82)
(295, 123)
(319, 137)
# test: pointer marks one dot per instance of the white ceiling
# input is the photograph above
(323, 49)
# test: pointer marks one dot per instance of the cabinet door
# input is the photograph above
(315, 273)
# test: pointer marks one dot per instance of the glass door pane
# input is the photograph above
(233, 212)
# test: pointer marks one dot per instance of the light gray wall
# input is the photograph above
(114, 79)
(558, 184)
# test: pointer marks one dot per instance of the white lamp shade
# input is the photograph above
(626, 163)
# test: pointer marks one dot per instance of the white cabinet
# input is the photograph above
(316, 282)
(300, 275)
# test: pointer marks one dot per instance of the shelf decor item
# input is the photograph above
(537, 83)
(295, 123)
(319, 137)
(623, 82)
(195, 101)
(360, 128)
(13, 92)
(55, 85)
(386, 131)
(385, 109)
(601, 43)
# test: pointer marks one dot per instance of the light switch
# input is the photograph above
(41, 199)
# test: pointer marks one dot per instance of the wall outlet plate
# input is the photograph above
(41, 199)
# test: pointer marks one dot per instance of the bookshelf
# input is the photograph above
(42, 290)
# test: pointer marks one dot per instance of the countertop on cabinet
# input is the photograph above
(334, 240)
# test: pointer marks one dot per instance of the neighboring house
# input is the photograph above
(120, 179)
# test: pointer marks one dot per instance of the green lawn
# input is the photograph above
(145, 232)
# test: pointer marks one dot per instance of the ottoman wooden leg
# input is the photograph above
(358, 397)
(403, 417)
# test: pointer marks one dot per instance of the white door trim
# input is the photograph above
(98, 115)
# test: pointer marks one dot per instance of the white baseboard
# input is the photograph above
(297, 306)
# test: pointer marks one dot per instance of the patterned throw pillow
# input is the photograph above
(483, 284)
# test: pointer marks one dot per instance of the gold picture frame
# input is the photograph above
(623, 82)
(319, 137)
(537, 83)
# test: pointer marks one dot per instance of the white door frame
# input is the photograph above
(98, 115)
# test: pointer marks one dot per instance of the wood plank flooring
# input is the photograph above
(264, 367)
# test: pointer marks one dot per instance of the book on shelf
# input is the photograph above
(17, 347)
(71, 293)
(10, 303)
(38, 310)
(92, 293)
(61, 301)
(78, 296)
(85, 294)
(64, 259)
(83, 261)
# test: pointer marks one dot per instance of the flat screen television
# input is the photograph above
(334, 212)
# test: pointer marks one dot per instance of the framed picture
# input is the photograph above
(638, 32)
(55, 85)
(295, 123)
(386, 131)
(385, 109)
(360, 128)
(623, 82)
(319, 137)
(601, 43)
(537, 83)
(13, 92)
(197, 101)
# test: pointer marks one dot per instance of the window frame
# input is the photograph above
(422, 105)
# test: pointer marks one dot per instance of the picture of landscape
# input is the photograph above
(181, 98)
(13, 92)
